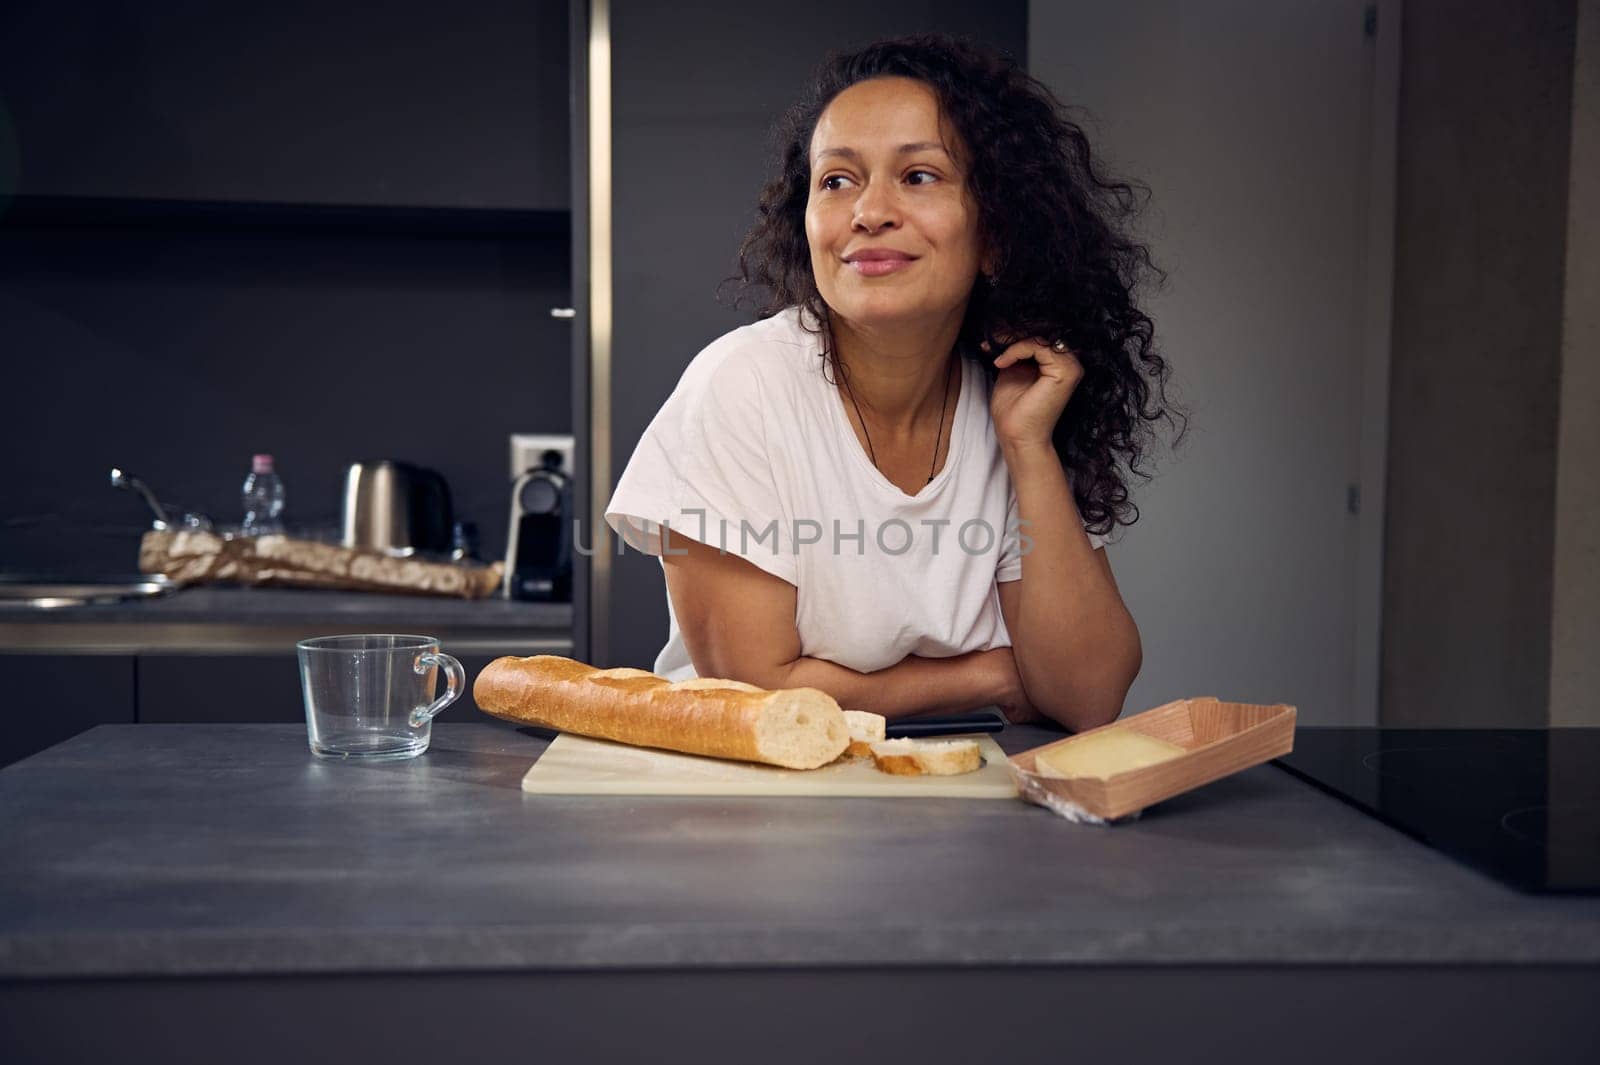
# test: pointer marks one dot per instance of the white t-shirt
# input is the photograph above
(753, 453)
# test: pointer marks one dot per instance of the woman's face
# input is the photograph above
(881, 181)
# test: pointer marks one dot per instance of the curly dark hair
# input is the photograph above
(1066, 264)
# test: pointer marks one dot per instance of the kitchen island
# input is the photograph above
(212, 891)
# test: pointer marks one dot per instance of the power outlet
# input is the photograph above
(528, 450)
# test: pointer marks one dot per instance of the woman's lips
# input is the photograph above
(879, 267)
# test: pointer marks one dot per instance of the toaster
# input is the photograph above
(397, 508)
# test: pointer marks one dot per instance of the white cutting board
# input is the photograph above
(578, 765)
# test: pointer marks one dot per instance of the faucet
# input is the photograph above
(121, 479)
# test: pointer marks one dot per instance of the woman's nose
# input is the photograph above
(875, 208)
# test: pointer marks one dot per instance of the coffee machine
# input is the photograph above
(539, 541)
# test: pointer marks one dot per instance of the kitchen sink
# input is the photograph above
(34, 593)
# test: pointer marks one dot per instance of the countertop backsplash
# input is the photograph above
(320, 348)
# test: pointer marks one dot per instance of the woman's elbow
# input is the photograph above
(1101, 700)
(743, 668)
(1083, 716)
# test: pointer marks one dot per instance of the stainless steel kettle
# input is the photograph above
(397, 508)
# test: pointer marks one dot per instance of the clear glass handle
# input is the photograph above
(454, 679)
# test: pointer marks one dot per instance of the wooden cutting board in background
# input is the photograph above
(577, 765)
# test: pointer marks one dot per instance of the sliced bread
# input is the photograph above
(866, 728)
(908, 757)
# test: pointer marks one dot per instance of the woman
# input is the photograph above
(897, 485)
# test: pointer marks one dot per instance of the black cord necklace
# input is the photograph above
(943, 403)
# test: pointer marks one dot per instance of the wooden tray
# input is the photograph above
(1221, 738)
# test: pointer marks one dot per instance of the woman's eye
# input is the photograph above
(827, 183)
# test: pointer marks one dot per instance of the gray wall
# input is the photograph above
(1494, 282)
(695, 90)
(1251, 123)
(1485, 121)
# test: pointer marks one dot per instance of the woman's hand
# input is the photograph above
(1006, 692)
(1033, 388)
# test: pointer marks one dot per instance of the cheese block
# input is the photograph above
(1105, 753)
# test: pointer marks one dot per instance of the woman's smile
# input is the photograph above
(880, 267)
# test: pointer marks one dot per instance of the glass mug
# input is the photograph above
(371, 697)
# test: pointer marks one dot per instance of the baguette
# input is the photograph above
(910, 758)
(797, 728)
(711, 683)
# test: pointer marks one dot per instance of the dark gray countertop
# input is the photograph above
(222, 619)
(192, 849)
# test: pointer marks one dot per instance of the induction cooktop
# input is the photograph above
(1522, 805)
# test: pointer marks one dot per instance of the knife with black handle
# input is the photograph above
(954, 725)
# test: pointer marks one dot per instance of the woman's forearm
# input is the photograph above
(914, 685)
(1076, 645)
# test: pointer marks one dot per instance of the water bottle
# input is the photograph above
(263, 499)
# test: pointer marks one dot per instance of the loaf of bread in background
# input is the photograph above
(798, 728)
(908, 757)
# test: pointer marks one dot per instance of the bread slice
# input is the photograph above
(908, 757)
(866, 728)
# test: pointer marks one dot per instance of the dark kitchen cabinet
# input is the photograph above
(51, 698)
(235, 688)
(394, 105)
(219, 689)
